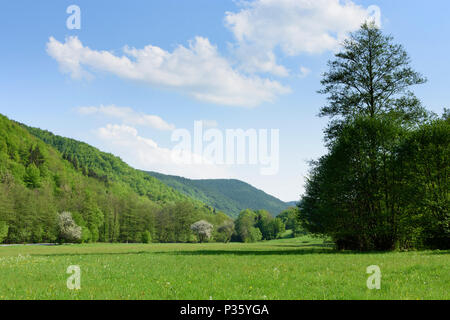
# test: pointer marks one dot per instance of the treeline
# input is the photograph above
(31, 216)
(253, 226)
(384, 183)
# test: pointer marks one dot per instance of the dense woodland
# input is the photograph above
(109, 200)
(49, 183)
(384, 183)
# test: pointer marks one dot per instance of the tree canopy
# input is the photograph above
(384, 182)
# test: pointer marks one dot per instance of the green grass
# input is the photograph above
(301, 268)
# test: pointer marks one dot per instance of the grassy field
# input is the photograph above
(293, 269)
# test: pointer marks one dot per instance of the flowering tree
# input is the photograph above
(202, 229)
(68, 230)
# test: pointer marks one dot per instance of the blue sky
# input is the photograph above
(250, 66)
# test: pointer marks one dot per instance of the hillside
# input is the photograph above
(106, 167)
(230, 196)
(292, 203)
(42, 175)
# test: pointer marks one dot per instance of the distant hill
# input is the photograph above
(230, 196)
(292, 203)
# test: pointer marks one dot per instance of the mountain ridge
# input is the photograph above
(227, 195)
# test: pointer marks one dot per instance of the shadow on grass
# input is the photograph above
(441, 252)
(290, 249)
(197, 253)
(305, 245)
(74, 254)
(249, 252)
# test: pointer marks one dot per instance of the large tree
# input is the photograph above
(370, 76)
(353, 192)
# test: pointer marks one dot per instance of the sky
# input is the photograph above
(138, 77)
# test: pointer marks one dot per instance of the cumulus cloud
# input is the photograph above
(128, 116)
(293, 26)
(197, 70)
(146, 154)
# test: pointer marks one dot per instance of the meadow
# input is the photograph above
(292, 269)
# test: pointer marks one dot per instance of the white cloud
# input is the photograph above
(128, 116)
(145, 154)
(294, 26)
(255, 59)
(197, 70)
(304, 72)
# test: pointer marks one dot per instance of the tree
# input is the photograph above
(146, 237)
(291, 219)
(202, 229)
(269, 227)
(275, 228)
(255, 235)
(369, 77)
(68, 230)
(225, 231)
(184, 215)
(424, 158)
(6, 210)
(35, 156)
(245, 222)
(263, 218)
(353, 192)
(33, 176)
(94, 219)
(3, 230)
(343, 201)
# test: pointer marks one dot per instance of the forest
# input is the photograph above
(109, 200)
(44, 175)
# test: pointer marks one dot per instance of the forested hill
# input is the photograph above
(230, 196)
(107, 167)
(292, 203)
(43, 176)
